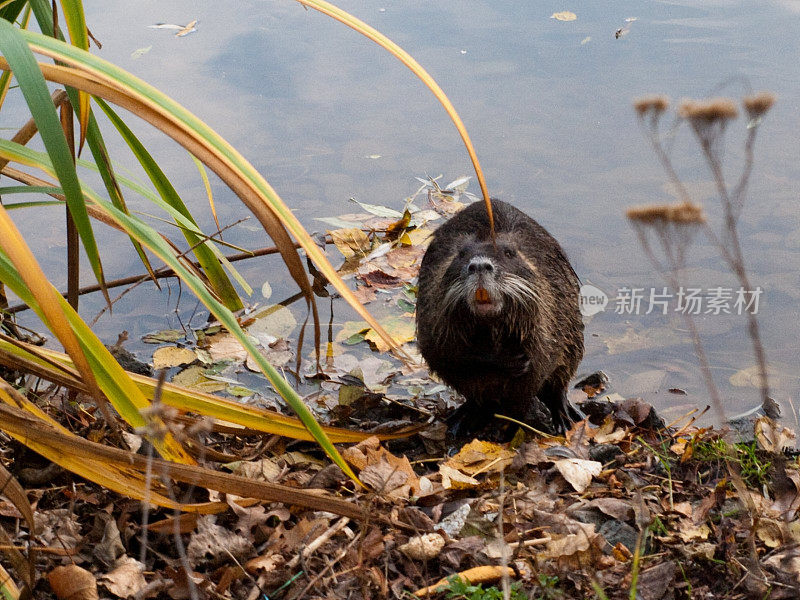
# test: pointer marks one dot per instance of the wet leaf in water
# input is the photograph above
(140, 52)
(266, 290)
(189, 28)
(365, 294)
(586, 40)
(458, 185)
(194, 379)
(271, 324)
(339, 222)
(165, 336)
(379, 211)
(351, 242)
(564, 16)
(172, 356)
(405, 256)
(240, 391)
(223, 346)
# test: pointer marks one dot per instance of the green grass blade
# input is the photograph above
(26, 70)
(30, 189)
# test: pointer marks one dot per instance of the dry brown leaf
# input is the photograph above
(578, 472)
(423, 547)
(405, 256)
(126, 580)
(572, 543)
(266, 563)
(770, 532)
(73, 583)
(172, 356)
(455, 479)
(223, 346)
(351, 241)
(481, 457)
(773, 437)
(365, 294)
(689, 532)
(212, 544)
(384, 471)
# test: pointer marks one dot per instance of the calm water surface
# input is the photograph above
(548, 105)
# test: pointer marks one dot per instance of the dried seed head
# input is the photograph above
(757, 104)
(656, 104)
(708, 111)
(660, 214)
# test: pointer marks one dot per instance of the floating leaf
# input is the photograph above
(194, 379)
(172, 356)
(272, 323)
(564, 16)
(351, 242)
(380, 211)
(189, 28)
(165, 336)
(140, 52)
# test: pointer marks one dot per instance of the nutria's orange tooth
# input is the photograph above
(482, 296)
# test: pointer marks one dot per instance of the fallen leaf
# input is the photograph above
(172, 356)
(453, 479)
(139, 52)
(773, 437)
(271, 324)
(212, 544)
(379, 211)
(564, 16)
(423, 547)
(689, 532)
(481, 457)
(126, 580)
(578, 472)
(187, 29)
(194, 379)
(164, 336)
(73, 583)
(351, 242)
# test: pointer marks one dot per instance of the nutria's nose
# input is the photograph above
(480, 264)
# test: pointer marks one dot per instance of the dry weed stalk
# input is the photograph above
(708, 120)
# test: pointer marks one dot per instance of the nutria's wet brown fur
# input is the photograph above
(500, 322)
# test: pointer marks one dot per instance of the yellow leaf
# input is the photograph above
(400, 328)
(479, 457)
(564, 16)
(172, 356)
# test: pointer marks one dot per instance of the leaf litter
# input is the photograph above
(622, 502)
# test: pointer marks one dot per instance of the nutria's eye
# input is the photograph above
(462, 253)
(509, 253)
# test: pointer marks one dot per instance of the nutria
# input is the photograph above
(499, 320)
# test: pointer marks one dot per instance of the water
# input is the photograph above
(548, 105)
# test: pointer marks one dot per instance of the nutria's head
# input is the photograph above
(490, 280)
